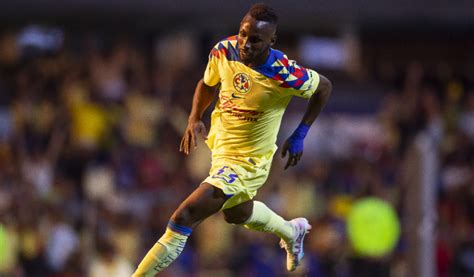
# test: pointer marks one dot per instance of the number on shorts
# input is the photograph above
(225, 175)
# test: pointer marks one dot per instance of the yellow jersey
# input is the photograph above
(252, 100)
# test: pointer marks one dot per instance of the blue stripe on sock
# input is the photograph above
(183, 230)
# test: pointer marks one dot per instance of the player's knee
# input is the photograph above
(238, 214)
(183, 216)
(235, 218)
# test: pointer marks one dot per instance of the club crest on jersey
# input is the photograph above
(242, 82)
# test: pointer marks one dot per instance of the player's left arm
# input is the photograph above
(294, 144)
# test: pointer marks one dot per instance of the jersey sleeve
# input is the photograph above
(305, 81)
(211, 75)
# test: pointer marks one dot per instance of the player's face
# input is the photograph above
(255, 39)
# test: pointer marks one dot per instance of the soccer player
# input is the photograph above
(255, 83)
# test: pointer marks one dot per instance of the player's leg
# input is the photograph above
(255, 215)
(202, 203)
(205, 201)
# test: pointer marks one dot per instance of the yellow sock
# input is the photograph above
(164, 252)
(263, 219)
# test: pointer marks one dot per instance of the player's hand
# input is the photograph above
(190, 136)
(295, 149)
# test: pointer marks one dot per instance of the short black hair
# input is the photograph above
(263, 12)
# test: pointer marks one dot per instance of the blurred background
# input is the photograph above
(94, 97)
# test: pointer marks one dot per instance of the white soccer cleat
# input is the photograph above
(294, 247)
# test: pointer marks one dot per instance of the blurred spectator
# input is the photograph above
(108, 262)
(62, 241)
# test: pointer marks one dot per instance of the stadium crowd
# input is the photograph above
(90, 169)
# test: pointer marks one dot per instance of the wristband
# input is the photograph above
(301, 131)
(296, 139)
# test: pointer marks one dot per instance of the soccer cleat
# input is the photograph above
(294, 246)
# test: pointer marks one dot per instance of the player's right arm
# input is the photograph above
(203, 97)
